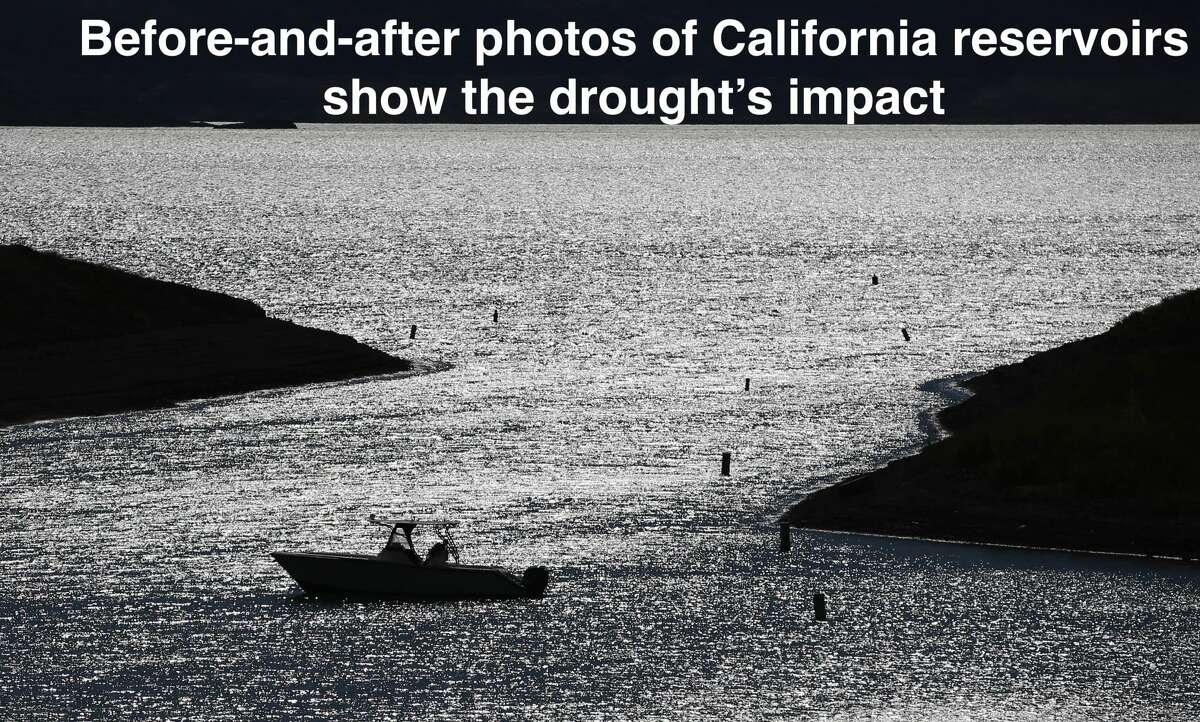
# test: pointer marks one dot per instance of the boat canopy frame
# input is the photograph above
(441, 528)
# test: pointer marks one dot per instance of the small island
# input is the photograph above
(82, 339)
(1091, 446)
(256, 124)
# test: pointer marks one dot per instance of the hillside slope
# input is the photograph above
(1092, 445)
(82, 339)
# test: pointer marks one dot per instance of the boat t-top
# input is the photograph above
(400, 571)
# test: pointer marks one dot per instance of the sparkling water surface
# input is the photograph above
(641, 274)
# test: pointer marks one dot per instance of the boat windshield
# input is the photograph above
(400, 538)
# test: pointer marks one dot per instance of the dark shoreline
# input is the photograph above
(1086, 447)
(88, 340)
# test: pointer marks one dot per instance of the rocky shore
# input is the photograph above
(82, 339)
(1090, 446)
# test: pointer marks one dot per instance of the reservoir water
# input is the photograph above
(641, 274)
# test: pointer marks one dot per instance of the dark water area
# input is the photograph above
(641, 275)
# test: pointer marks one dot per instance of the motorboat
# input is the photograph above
(400, 571)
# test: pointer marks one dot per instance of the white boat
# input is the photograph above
(399, 570)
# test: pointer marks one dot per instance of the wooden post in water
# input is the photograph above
(906, 336)
(726, 460)
(747, 384)
(785, 537)
(820, 611)
(412, 332)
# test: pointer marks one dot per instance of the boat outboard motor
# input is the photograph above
(535, 580)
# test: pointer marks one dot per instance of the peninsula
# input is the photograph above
(1090, 446)
(83, 339)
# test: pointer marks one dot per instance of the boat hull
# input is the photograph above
(366, 575)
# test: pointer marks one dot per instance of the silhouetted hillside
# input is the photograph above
(82, 339)
(1091, 445)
